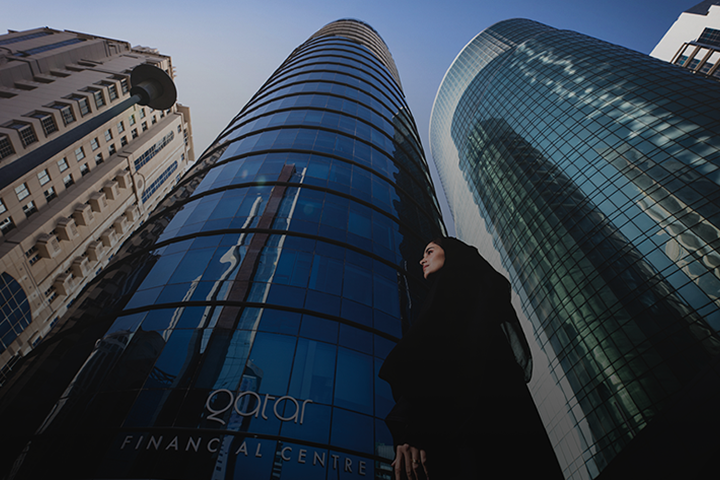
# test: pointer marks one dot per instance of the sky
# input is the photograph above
(223, 51)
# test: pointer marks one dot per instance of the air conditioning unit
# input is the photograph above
(109, 238)
(66, 229)
(64, 284)
(48, 246)
(81, 267)
(132, 213)
(83, 215)
(95, 251)
(111, 190)
(98, 202)
(121, 225)
(124, 179)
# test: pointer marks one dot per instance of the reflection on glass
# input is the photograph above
(589, 173)
(278, 281)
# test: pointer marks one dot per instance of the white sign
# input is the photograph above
(241, 402)
(252, 449)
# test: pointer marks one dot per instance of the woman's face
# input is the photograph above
(433, 260)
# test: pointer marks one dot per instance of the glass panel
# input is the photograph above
(354, 381)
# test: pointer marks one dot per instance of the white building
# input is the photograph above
(694, 40)
(64, 211)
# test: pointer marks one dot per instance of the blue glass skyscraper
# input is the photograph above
(589, 173)
(259, 301)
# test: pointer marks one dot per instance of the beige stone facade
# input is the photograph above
(66, 211)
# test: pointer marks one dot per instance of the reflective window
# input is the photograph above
(586, 173)
(275, 291)
(16, 310)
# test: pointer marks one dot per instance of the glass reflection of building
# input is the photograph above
(269, 288)
(589, 173)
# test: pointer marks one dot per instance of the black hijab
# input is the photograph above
(456, 335)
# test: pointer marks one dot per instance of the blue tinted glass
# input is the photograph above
(354, 381)
(356, 312)
(322, 302)
(352, 430)
(293, 269)
(356, 339)
(287, 296)
(387, 324)
(273, 355)
(313, 371)
(357, 285)
(171, 361)
(328, 154)
(385, 295)
(315, 426)
(258, 461)
(127, 323)
(359, 222)
(236, 370)
(162, 270)
(192, 265)
(326, 275)
(319, 328)
(158, 319)
(302, 461)
(279, 321)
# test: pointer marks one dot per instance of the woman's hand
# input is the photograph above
(410, 463)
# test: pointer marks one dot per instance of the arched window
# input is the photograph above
(15, 313)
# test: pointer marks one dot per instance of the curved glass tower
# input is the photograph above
(589, 173)
(265, 294)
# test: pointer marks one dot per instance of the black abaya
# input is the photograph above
(458, 375)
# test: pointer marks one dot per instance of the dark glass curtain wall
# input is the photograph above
(261, 312)
(595, 169)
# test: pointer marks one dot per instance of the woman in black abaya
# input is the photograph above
(458, 377)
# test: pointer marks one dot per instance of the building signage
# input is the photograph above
(251, 448)
(223, 402)
(242, 401)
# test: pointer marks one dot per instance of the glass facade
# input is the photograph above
(589, 173)
(15, 307)
(256, 321)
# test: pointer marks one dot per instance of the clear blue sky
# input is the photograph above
(224, 50)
